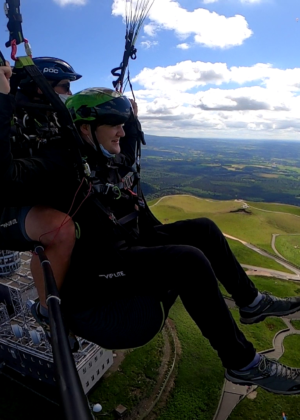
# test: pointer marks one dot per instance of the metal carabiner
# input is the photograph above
(28, 49)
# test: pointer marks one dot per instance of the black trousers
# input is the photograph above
(185, 259)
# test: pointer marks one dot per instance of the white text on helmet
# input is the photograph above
(46, 70)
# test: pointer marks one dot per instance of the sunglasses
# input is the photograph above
(65, 86)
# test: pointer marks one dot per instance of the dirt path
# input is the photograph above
(166, 375)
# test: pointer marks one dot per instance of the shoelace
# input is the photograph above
(272, 367)
(274, 298)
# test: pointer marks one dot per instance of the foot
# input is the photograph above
(45, 324)
(269, 306)
(269, 375)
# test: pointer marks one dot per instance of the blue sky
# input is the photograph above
(204, 68)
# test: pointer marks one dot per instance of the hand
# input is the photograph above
(5, 75)
(134, 107)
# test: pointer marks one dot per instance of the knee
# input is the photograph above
(208, 224)
(65, 233)
(188, 256)
(48, 225)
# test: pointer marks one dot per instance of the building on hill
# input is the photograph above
(23, 345)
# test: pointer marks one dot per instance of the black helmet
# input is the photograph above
(55, 69)
(99, 106)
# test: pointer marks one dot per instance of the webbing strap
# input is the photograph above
(129, 236)
(128, 218)
(12, 11)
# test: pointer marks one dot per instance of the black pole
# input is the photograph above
(73, 399)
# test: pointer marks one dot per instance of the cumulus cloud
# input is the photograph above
(187, 75)
(197, 98)
(148, 44)
(207, 28)
(63, 3)
(183, 46)
(243, 99)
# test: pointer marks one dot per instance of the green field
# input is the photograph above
(282, 208)
(255, 227)
(296, 324)
(279, 288)
(135, 379)
(244, 255)
(200, 374)
(289, 247)
(261, 334)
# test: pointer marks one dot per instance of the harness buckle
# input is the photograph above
(141, 203)
(109, 186)
(127, 181)
(113, 218)
(86, 169)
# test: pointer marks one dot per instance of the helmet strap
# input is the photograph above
(95, 140)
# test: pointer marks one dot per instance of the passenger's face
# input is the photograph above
(109, 136)
(63, 87)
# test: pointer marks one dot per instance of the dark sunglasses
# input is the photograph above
(65, 86)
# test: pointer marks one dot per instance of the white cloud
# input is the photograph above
(197, 99)
(63, 3)
(207, 28)
(183, 46)
(210, 1)
(188, 75)
(148, 44)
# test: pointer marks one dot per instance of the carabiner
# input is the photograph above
(14, 50)
(28, 49)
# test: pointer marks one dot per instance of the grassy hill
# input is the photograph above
(255, 225)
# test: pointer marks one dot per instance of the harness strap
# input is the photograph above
(128, 218)
(126, 183)
(130, 236)
(12, 11)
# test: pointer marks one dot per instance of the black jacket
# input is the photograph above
(48, 180)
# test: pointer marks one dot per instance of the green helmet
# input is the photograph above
(99, 105)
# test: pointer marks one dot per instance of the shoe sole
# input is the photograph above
(273, 391)
(261, 317)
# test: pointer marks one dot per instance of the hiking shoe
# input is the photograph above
(45, 324)
(269, 306)
(269, 375)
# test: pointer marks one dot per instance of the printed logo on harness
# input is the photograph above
(47, 70)
(110, 276)
(10, 223)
